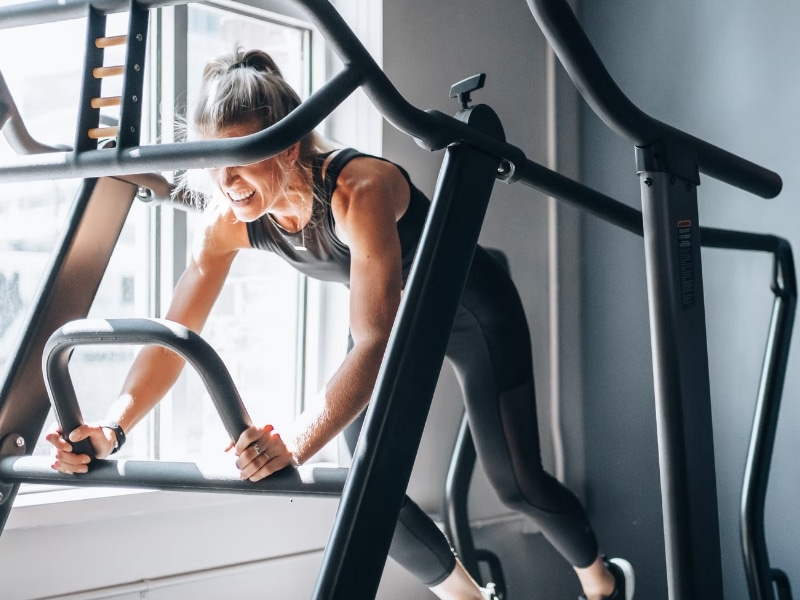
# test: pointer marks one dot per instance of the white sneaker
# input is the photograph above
(623, 573)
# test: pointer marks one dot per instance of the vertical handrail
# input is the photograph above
(456, 491)
(759, 574)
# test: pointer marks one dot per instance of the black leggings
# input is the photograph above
(490, 351)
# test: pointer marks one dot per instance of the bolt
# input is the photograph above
(133, 129)
(139, 37)
(648, 182)
(135, 98)
(20, 442)
(137, 68)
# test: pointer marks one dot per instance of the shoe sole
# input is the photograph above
(627, 572)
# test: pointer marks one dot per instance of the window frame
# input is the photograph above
(165, 231)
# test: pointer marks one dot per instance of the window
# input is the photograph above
(266, 312)
(31, 214)
(258, 321)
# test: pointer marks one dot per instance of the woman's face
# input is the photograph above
(250, 190)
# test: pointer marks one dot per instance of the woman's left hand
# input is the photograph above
(261, 452)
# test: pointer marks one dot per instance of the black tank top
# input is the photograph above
(316, 250)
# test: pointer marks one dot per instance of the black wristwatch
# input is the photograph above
(119, 434)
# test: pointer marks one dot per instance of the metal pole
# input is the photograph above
(760, 577)
(356, 553)
(456, 519)
(682, 392)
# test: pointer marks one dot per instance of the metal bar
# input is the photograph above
(356, 552)
(130, 118)
(765, 423)
(456, 489)
(782, 587)
(308, 480)
(52, 11)
(14, 130)
(573, 48)
(558, 186)
(196, 155)
(176, 337)
(80, 258)
(432, 129)
(682, 391)
(87, 127)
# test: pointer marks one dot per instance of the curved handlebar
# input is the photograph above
(573, 48)
(14, 129)
(432, 129)
(192, 347)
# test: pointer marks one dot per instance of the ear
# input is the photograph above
(293, 152)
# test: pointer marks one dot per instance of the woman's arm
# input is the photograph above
(370, 196)
(156, 368)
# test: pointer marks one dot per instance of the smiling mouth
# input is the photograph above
(240, 197)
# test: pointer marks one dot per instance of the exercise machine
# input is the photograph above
(476, 156)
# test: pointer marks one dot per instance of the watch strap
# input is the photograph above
(119, 434)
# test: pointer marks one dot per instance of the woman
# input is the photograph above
(356, 219)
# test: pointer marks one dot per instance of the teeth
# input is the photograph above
(239, 196)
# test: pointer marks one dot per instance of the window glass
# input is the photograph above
(32, 213)
(46, 91)
(257, 323)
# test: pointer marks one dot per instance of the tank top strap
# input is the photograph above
(316, 171)
(335, 167)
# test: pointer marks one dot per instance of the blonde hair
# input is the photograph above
(246, 86)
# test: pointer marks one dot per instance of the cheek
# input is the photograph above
(270, 177)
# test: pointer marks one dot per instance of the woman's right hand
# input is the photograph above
(102, 439)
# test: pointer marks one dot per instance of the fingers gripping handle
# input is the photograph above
(55, 366)
(180, 339)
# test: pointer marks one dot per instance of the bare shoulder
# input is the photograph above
(368, 183)
(219, 233)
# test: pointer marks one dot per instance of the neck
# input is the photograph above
(292, 212)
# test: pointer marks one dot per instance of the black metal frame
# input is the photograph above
(476, 155)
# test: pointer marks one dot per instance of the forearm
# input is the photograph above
(151, 376)
(344, 397)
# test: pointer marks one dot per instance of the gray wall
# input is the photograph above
(726, 73)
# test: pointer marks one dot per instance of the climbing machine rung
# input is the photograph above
(100, 72)
(99, 133)
(128, 131)
(108, 42)
(108, 101)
